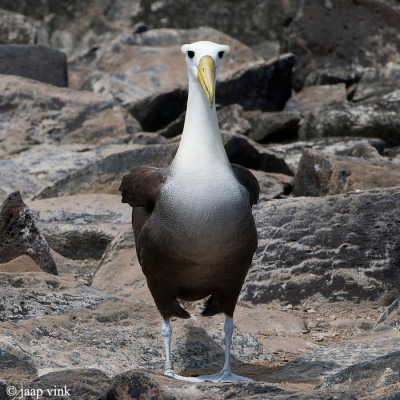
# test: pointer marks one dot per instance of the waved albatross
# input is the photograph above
(194, 230)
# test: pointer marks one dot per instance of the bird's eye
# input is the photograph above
(190, 54)
(220, 54)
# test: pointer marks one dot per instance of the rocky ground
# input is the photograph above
(308, 99)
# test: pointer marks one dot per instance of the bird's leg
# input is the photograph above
(166, 331)
(169, 369)
(226, 374)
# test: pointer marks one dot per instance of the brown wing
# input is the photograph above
(248, 180)
(141, 187)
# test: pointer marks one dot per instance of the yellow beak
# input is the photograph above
(206, 77)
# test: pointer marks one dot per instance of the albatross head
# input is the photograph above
(203, 60)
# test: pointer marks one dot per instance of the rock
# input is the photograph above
(74, 384)
(240, 21)
(273, 186)
(312, 97)
(139, 384)
(326, 33)
(63, 325)
(20, 264)
(16, 369)
(390, 317)
(119, 271)
(16, 29)
(35, 62)
(366, 360)
(321, 174)
(19, 235)
(377, 377)
(105, 175)
(348, 75)
(241, 151)
(136, 67)
(292, 152)
(273, 126)
(36, 168)
(80, 227)
(230, 119)
(35, 113)
(263, 85)
(377, 82)
(375, 119)
(337, 247)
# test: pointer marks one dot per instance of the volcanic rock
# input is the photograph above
(90, 384)
(312, 97)
(105, 175)
(321, 174)
(336, 247)
(273, 126)
(35, 62)
(35, 113)
(20, 235)
(380, 119)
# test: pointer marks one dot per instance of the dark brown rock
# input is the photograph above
(241, 151)
(335, 247)
(16, 369)
(20, 235)
(35, 62)
(273, 126)
(74, 384)
(320, 174)
(262, 86)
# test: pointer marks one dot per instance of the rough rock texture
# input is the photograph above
(35, 113)
(339, 247)
(380, 119)
(326, 34)
(262, 85)
(64, 324)
(136, 66)
(273, 126)
(90, 384)
(16, 370)
(16, 29)
(320, 174)
(378, 376)
(143, 385)
(20, 235)
(104, 175)
(81, 227)
(35, 62)
(312, 97)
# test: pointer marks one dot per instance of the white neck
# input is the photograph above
(201, 145)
